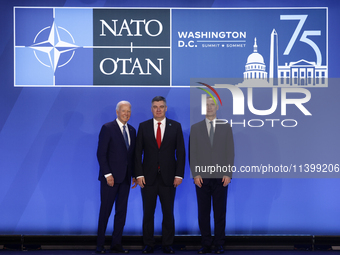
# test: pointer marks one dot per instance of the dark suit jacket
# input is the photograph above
(170, 157)
(202, 154)
(112, 154)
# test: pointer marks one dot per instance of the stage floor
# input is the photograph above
(159, 251)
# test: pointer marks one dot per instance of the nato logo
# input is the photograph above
(52, 47)
(89, 47)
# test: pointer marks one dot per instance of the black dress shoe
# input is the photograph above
(147, 249)
(219, 249)
(168, 249)
(100, 249)
(204, 250)
(118, 249)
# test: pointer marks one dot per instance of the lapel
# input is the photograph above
(220, 132)
(130, 132)
(118, 133)
(167, 130)
(204, 132)
(150, 129)
(132, 137)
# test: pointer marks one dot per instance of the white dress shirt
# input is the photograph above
(208, 124)
(120, 124)
(162, 126)
(155, 127)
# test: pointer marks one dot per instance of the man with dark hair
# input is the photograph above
(115, 155)
(211, 145)
(159, 169)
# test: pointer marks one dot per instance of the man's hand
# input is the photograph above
(177, 181)
(198, 181)
(226, 180)
(141, 182)
(134, 183)
(110, 181)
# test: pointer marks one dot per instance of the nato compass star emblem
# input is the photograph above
(54, 46)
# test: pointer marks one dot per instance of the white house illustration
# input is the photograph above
(302, 73)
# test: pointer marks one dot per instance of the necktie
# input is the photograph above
(126, 137)
(211, 134)
(159, 135)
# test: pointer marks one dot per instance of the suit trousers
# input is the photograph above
(119, 193)
(215, 192)
(167, 197)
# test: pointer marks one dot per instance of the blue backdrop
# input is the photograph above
(49, 135)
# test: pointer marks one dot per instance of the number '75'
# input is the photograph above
(302, 19)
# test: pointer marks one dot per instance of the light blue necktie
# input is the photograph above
(126, 137)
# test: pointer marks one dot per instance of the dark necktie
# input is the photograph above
(211, 134)
(159, 135)
(126, 137)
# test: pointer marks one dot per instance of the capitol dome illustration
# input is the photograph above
(255, 67)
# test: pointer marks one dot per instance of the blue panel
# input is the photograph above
(49, 135)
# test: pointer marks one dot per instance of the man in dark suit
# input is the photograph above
(115, 155)
(159, 169)
(211, 161)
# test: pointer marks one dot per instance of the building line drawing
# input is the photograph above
(301, 73)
